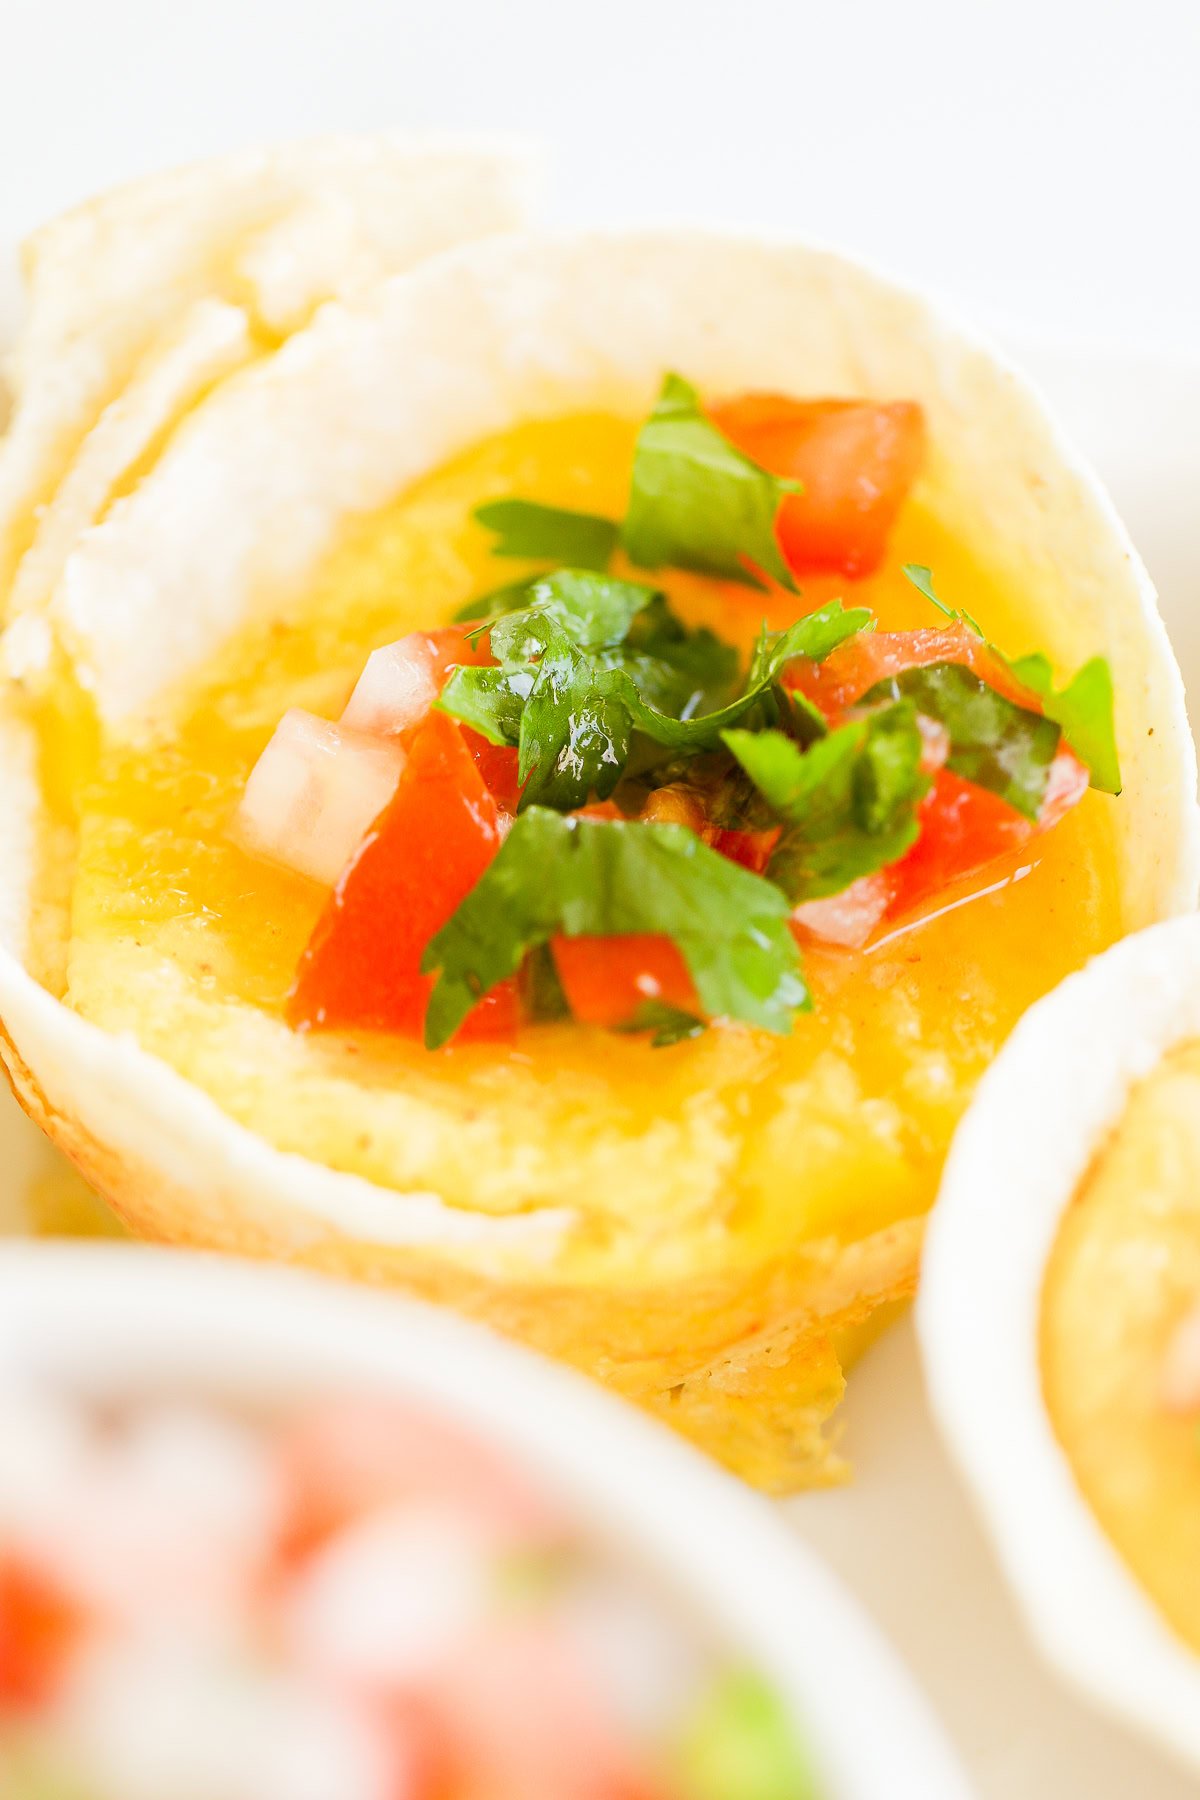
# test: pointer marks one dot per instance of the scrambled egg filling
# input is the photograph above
(1124, 1273)
(721, 1153)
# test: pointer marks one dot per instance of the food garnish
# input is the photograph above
(357, 1602)
(594, 817)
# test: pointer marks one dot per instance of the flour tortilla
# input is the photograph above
(1040, 1116)
(231, 522)
(275, 233)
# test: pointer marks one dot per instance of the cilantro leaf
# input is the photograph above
(543, 996)
(593, 611)
(813, 636)
(595, 878)
(549, 533)
(490, 701)
(573, 736)
(669, 1024)
(591, 660)
(1084, 709)
(677, 668)
(485, 607)
(544, 704)
(740, 1744)
(848, 802)
(993, 741)
(922, 580)
(696, 502)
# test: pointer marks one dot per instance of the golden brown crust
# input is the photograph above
(755, 1395)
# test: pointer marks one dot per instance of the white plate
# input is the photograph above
(902, 1536)
(114, 1320)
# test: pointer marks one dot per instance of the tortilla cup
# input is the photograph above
(147, 296)
(1063, 1260)
(225, 531)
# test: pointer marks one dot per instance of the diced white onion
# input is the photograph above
(633, 1650)
(396, 688)
(174, 1515)
(848, 918)
(314, 793)
(154, 1717)
(45, 1452)
(388, 1599)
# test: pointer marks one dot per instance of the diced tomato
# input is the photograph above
(419, 1764)
(38, 1628)
(498, 766)
(357, 1456)
(857, 460)
(964, 828)
(851, 671)
(606, 979)
(424, 854)
(600, 809)
(752, 849)
(522, 1719)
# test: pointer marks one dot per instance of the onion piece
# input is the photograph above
(314, 794)
(847, 919)
(397, 687)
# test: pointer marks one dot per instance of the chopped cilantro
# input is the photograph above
(591, 660)
(489, 606)
(993, 741)
(740, 1744)
(848, 802)
(814, 636)
(549, 533)
(543, 997)
(669, 1024)
(1084, 709)
(922, 580)
(696, 502)
(574, 737)
(593, 878)
(490, 701)
(595, 611)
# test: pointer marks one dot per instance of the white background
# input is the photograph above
(1039, 163)
(1038, 160)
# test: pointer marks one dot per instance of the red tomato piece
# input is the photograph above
(522, 1718)
(601, 809)
(352, 1457)
(857, 460)
(425, 853)
(498, 766)
(606, 979)
(851, 671)
(965, 828)
(38, 1628)
(752, 849)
